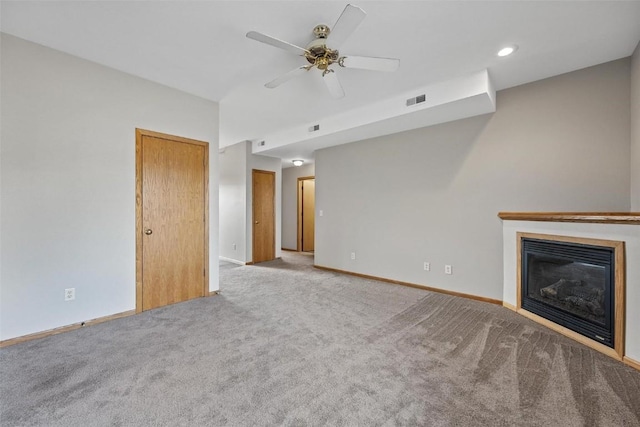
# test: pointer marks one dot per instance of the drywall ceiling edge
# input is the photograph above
(445, 101)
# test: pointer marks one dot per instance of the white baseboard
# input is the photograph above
(235, 261)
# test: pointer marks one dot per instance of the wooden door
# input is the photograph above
(264, 215)
(306, 213)
(172, 219)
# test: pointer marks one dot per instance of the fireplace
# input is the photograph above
(575, 285)
(570, 284)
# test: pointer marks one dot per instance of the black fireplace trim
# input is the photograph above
(603, 256)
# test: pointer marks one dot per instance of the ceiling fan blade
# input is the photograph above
(346, 24)
(333, 84)
(263, 38)
(286, 77)
(370, 63)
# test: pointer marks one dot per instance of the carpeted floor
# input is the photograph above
(285, 344)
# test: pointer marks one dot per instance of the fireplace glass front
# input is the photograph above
(570, 284)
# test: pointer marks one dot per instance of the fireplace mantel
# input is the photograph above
(588, 217)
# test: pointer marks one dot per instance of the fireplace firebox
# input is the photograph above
(571, 284)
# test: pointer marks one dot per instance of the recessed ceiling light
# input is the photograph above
(505, 51)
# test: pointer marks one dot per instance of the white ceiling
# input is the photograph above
(200, 47)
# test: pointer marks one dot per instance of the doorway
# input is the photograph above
(306, 213)
(264, 213)
(172, 219)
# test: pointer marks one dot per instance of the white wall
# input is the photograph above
(290, 203)
(635, 130)
(68, 183)
(433, 194)
(266, 164)
(236, 200)
(630, 234)
(233, 202)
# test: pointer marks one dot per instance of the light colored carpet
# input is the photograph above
(285, 344)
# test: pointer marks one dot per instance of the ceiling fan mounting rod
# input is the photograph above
(321, 31)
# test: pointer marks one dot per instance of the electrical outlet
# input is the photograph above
(320, 212)
(70, 294)
(427, 266)
(234, 247)
(353, 255)
(447, 269)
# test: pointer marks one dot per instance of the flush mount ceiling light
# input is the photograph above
(508, 50)
(297, 162)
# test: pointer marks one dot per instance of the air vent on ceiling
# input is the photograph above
(314, 128)
(417, 100)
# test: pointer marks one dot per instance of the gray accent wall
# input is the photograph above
(68, 183)
(635, 130)
(290, 203)
(433, 194)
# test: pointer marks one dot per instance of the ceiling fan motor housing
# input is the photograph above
(319, 54)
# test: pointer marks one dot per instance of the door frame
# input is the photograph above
(140, 133)
(253, 213)
(299, 214)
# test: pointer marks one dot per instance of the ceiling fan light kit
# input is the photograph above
(322, 57)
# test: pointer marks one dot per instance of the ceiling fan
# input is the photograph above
(322, 53)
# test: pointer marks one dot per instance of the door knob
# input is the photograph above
(148, 231)
(257, 222)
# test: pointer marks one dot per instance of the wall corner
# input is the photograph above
(635, 130)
